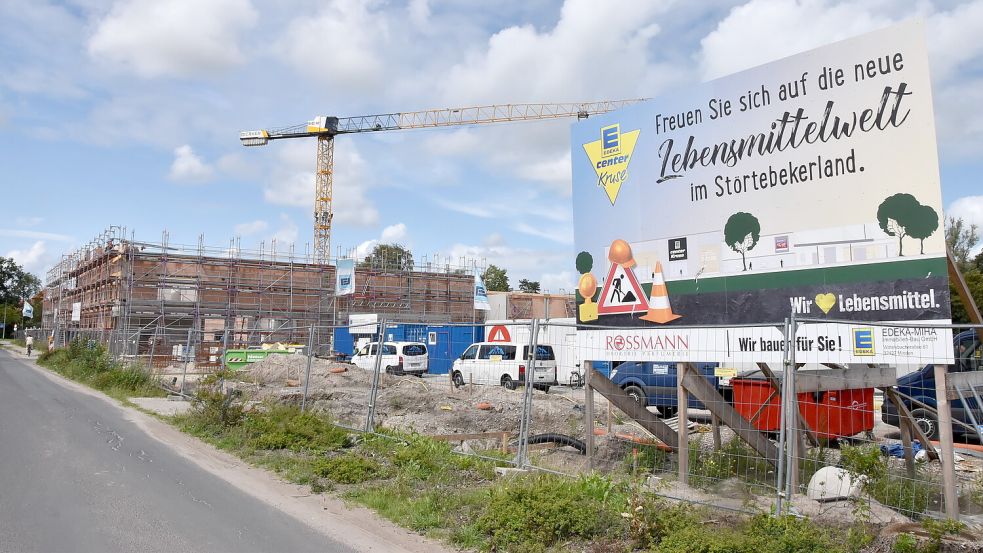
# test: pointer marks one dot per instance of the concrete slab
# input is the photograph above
(162, 405)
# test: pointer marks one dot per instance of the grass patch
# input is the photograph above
(893, 489)
(89, 363)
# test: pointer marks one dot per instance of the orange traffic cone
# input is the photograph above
(659, 309)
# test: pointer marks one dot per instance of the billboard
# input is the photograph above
(345, 277)
(480, 293)
(807, 185)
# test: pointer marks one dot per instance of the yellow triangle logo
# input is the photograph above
(610, 156)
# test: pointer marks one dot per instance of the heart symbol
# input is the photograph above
(825, 302)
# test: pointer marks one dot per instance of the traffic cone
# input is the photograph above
(659, 309)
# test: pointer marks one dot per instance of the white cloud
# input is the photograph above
(394, 233)
(522, 62)
(545, 266)
(969, 209)
(365, 248)
(188, 166)
(563, 235)
(174, 38)
(765, 30)
(287, 233)
(36, 235)
(252, 227)
(24, 221)
(563, 281)
(33, 260)
(292, 182)
(341, 46)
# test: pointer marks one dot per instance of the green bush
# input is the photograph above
(213, 407)
(286, 427)
(349, 468)
(423, 458)
(651, 519)
(905, 543)
(898, 491)
(537, 512)
(91, 364)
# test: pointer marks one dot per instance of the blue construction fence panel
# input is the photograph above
(445, 343)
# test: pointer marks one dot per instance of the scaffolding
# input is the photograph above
(164, 302)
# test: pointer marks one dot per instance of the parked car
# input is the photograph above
(653, 384)
(505, 363)
(397, 357)
(920, 385)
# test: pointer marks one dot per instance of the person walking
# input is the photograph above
(30, 344)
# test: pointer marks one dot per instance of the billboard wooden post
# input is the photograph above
(945, 438)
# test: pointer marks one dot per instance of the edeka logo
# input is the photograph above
(863, 341)
(610, 156)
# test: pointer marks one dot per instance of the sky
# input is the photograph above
(127, 112)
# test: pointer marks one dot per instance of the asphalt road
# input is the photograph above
(75, 475)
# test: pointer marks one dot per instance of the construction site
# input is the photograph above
(151, 300)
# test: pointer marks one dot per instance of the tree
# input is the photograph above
(388, 257)
(741, 234)
(496, 279)
(924, 222)
(896, 214)
(38, 303)
(974, 281)
(16, 283)
(529, 286)
(961, 239)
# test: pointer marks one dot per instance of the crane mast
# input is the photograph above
(326, 128)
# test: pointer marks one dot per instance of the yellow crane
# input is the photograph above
(325, 128)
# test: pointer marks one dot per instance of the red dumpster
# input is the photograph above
(830, 414)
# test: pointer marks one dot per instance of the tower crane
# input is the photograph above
(325, 128)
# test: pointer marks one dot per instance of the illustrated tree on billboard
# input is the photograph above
(924, 224)
(741, 233)
(902, 215)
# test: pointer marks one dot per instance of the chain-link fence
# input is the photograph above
(770, 430)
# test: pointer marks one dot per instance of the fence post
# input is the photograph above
(782, 425)
(522, 453)
(307, 374)
(945, 438)
(589, 412)
(682, 430)
(225, 347)
(792, 467)
(187, 355)
(373, 393)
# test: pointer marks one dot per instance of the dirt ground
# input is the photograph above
(432, 406)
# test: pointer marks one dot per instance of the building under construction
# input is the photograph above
(154, 299)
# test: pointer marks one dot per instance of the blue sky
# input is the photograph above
(128, 112)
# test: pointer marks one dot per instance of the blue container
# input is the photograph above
(406, 333)
(451, 341)
(343, 341)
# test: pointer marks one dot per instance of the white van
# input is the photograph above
(397, 357)
(504, 363)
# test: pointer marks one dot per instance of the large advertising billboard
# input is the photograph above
(807, 185)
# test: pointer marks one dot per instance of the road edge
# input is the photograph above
(357, 527)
